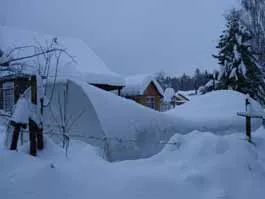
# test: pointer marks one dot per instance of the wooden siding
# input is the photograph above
(20, 84)
(151, 91)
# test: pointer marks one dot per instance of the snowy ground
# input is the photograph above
(199, 165)
(204, 165)
(217, 112)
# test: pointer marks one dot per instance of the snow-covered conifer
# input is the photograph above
(239, 68)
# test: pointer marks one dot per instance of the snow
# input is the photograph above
(233, 74)
(107, 115)
(22, 111)
(186, 93)
(217, 112)
(199, 165)
(136, 85)
(83, 62)
(243, 69)
(169, 94)
(211, 83)
(181, 97)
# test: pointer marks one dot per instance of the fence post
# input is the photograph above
(248, 119)
(15, 137)
(32, 132)
(40, 131)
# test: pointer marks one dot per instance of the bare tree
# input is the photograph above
(41, 58)
(62, 120)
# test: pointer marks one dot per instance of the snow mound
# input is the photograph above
(82, 63)
(197, 165)
(217, 112)
(168, 94)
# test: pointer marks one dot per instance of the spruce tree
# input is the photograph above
(239, 68)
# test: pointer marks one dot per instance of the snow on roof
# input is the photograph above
(136, 85)
(169, 94)
(181, 98)
(86, 64)
(186, 93)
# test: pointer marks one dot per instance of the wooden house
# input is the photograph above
(143, 89)
(11, 87)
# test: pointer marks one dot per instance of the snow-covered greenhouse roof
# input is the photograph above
(82, 64)
(136, 85)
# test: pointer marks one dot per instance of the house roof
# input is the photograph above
(187, 93)
(83, 63)
(181, 97)
(136, 85)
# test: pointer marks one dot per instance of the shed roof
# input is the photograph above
(86, 65)
(136, 85)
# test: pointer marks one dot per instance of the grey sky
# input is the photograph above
(131, 36)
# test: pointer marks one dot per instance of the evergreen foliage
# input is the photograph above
(239, 68)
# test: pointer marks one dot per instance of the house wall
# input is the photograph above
(151, 91)
(109, 88)
(20, 84)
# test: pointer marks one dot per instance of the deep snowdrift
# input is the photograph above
(217, 112)
(197, 165)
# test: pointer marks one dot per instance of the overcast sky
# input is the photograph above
(131, 36)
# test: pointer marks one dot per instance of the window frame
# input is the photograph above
(8, 92)
(151, 102)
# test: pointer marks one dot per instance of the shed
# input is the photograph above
(145, 90)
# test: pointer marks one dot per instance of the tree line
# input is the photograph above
(184, 82)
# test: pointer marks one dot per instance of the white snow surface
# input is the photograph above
(198, 165)
(21, 111)
(136, 85)
(168, 94)
(132, 130)
(83, 63)
(186, 93)
(217, 112)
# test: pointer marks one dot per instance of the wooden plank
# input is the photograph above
(249, 115)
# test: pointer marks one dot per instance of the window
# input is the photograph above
(150, 102)
(8, 96)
